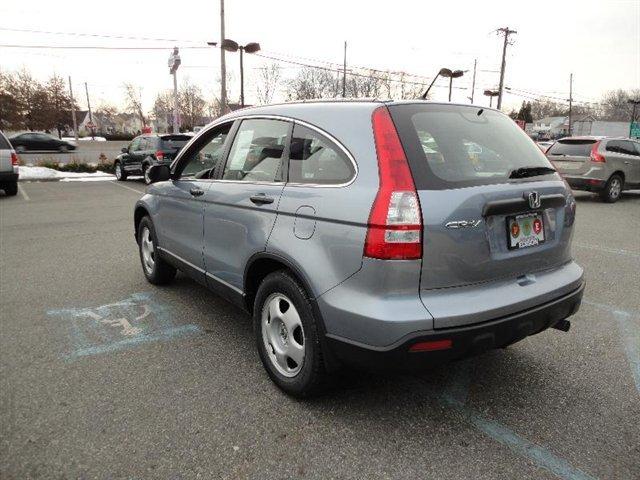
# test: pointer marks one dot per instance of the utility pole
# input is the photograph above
(473, 84)
(73, 111)
(93, 133)
(344, 72)
(570, 99)
(506, 32)
(223, 66)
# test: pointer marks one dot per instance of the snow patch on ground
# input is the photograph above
(44, 173)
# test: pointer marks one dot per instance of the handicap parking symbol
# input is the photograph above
(125, 324)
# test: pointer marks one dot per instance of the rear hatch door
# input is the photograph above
(461, 158)
(172, 144)
(571, 156)
(5, 154)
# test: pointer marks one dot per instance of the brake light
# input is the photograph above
(595, 156)
(14, 159)
(395, 223)
(160, 155)
(432, 346)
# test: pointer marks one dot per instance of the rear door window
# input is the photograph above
(623, 147)
(257, 151)
(572, 148)
(452, 146)
(314, 159)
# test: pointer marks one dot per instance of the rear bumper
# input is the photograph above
(465, 341)
(585, 183)
(8, 177)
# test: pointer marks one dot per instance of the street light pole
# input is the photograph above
(223, 66)
(491, 94)
(73, 110)
(444, 72)
(93, 133)
(174, 63)
(232, 46)
(506, 32)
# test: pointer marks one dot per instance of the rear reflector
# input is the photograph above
(395, 222)
(14, 159)
(431, 346)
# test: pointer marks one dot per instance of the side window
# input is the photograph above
(256, 153)
(316, 159)
(206, 157)
(135, 144)
(615, 146)
(627, 148)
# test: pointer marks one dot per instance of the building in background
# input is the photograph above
(590, 126)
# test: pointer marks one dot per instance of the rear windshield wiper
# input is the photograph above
(524, 172)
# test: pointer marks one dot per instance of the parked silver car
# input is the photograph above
(367, 233)
(8, 167)
(597, 164)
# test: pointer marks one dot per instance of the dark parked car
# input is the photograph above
(147, 150)
(375, 234)
(36, 141)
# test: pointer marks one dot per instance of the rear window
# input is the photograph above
(452, 146)
(175, 142)
(572, 148)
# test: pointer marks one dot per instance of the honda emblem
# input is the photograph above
(534, 200)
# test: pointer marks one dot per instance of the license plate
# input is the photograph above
(568, 165)
(525, 231)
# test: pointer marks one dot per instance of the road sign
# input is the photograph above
(91, 126)
(634, 131)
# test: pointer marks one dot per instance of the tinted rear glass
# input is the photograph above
(175, 142)
(452, 146)
(572, 148)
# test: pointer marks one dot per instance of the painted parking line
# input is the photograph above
(126, 324)
(139, 192)
(23, 193)
(455, 395)
(616, 251)
(629, 327)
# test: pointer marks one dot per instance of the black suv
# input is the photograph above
(147, 150)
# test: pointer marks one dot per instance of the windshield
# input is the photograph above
(452, 146)
(573, 148)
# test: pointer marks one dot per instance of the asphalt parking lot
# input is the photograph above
(106, 376)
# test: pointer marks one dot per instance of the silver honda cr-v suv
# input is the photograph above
(367, 233)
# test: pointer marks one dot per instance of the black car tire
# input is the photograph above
(121, 174)
(612, 189)
(161, 273)
(10, 188)
(311, 379)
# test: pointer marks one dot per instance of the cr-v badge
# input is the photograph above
(463, 224)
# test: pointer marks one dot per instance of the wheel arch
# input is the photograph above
(620, 173)
(262, 264)
(139, 213)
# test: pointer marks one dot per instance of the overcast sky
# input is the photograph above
(597, 41)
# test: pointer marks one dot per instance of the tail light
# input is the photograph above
(14, 159)
(160, 155)
(595, 156)
(395, 223)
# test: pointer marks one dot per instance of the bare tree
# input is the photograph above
(163, 108)
(192, 105)
(311, 83)
(268, 82)
(58, 106)
(133, 99)
(615, 104)
(10, 108)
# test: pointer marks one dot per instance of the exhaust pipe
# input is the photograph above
(563, 325)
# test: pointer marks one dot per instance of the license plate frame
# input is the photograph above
(527, 236)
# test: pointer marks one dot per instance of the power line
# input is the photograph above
(96, 35)
(91, 47)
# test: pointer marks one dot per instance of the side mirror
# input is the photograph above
(124, 149)
(159, 173)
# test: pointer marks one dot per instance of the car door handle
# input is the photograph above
(261, 199)
(626, 162)
(196, 192)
